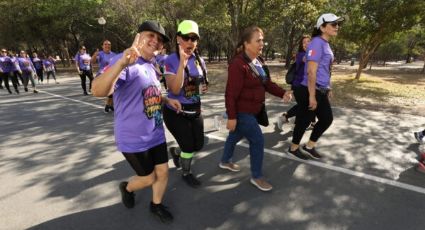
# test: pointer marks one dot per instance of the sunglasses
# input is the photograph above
(334, 24)
(3, 51)
(187, 38)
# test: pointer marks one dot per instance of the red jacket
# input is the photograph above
(245, 93)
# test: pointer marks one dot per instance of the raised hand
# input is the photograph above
(131, 54)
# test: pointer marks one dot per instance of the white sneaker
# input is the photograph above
(279, 122)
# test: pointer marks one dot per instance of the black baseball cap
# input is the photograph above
(154, 26)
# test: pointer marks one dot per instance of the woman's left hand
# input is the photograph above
(175, 104)
(330, 95)
(287, 97)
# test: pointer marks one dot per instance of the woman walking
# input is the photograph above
(315, 90)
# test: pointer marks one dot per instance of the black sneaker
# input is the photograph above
(298, 154)
(312, 152)
(26, 89)
(175, 156)
(111, 107)
(161, 212)
(126, 196)
(35, 91)
(85, 93)
(191, 180)
(106, 110)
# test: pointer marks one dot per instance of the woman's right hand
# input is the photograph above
(231, 124)
(131, 54)
(312, 103)
(184, 57)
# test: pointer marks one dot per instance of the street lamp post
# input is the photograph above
(102, 22)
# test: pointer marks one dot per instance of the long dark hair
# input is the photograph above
(300, 43)
(246, 36)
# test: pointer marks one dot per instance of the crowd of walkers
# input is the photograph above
(131, 83)
(23, 69)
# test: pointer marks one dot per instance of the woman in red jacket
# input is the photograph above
(248, 80)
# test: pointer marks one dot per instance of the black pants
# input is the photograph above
(188, 132)
(323, 113)
(5, 77)
(39, 73)
(83, 75)
(48, 73)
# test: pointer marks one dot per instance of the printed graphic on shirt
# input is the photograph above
(152, 102)
(191, 88)
(311, 53)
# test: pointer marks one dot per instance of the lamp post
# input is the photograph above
(102, 22)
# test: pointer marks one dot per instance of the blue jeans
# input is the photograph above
(247, 127)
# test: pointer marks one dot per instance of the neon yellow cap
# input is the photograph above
(187, 27)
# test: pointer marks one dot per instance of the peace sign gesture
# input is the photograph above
(131, 54)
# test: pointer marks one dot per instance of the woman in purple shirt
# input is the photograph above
(138, 124)
(84, 68)
(314, 92)
(6, 71)
(27, 69)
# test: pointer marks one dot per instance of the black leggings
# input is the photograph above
(323, 113)
(83, 75)
(5, 77)
(39, 73)
(48, 73)
(188, 132)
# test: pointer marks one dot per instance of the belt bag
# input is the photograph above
(191, 111)
(323, 91)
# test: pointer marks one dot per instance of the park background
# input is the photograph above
(384, 39)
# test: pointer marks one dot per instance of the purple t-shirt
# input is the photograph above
(6, 64)
(138, 122)
(15, 64)
(49, 65)
(319, 51)
(299, 69)
(83, 61)
(103, 59)
(189, 93)
(38, 63)
(25, 64)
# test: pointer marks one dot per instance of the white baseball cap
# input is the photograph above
(328, 18)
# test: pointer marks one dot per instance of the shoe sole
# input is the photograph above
(228, 168)
(259, 187)
(293, 155)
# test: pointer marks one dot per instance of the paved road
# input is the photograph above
(60, 170)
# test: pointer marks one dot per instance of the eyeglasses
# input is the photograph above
(4, 51)
(187, 38)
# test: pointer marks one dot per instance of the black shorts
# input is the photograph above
(144, 163)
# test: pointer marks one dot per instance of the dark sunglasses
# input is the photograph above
(187, 38)
(334, 24)
(3, 51)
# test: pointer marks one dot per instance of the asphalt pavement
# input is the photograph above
(60, 170)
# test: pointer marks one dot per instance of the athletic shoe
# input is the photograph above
(161, 212)
(191, 180)
(106, 110)
(26, 89)
(35, 91)
(281, 120)
(419, 136)
(230, 166)
(311, 152)
(298, 154)
(111, 107)
(421, 167)
(175, 156)
(126, 196)
(261, 184)
(85, 93)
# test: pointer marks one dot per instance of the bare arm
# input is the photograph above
(312, 75)
(94, 57)
(103, 85)
(175, 82)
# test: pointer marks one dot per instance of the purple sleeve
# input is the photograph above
(122, 76)
(314, 51)
(171, 64)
